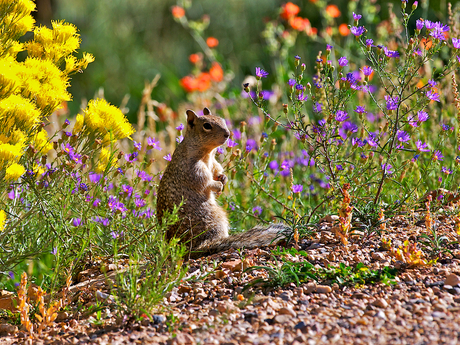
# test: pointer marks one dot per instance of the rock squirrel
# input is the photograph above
(195, 177)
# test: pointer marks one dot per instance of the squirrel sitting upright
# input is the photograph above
(194, 176)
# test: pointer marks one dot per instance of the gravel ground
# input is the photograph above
(210, 307)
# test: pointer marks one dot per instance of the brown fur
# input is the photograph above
(195, 176)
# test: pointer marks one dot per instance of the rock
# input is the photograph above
(6, 328)
(330, 218)
(452, 280)
(62, 315)
(238, 265)
(9, 302)
(184, 289)
(282, 318)
(311, 287)
(323, 289)
(380, 302)
(287, 311)
(227, 307)
(182, 339)
(220, 274)
(158, 319)
(378, 256)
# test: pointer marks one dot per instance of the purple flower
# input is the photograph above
(76, 222)
(220, 150)
(343, 61)
(392, 102)
(291, 82)
(153, 144)
(422, 147)
(257, 210)
(180, 127)
(137, 146)
(251, 144)
(367, 70)
(437, 30)
(96, 202)
(285, 165)
(273, 165)
(329, 47)
(180, 138)
(369, 42)
(438, 156)
(432, 83)
(433, 96)
(390, 53)
(260, 73)
(403, 136)
(131, 157)
(299, 87)
(360, 109)
(301, 97)
(54, 252)
(422, 116)
(94, 177)
(446, 170)
(83, 187)
(456, 42)
(168, 157)
(445, 127)
(67, 148)
(127, 189)
(144, 176)
(231, 143)
(139, 202)
(12, 194)
(339, 167)
(356, 16)
(69, 134)
(419, 24)
(358, 30)
(297, 188)
(341, 116)
(387, 169)
(115, 235)
(66, 123)
(318, 107)
(103, 221)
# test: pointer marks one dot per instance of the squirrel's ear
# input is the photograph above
(191, 116)
(206, 111)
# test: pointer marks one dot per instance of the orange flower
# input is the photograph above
(203, 82)
(216, 72)
(333, 11)
(344, 30)
(289, 10)
(195, 58)
(329, 31)
(212, 42)
(188, 83)
(177, 12)
(299, 24)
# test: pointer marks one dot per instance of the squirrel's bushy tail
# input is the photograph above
(258, 236)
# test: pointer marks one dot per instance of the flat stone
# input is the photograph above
(380, 302)
(282, 318)
(323, 289)
(452, 280)
(311, 287)
(6, 328)
(287, 311)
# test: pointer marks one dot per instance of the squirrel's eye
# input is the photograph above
(207, 126)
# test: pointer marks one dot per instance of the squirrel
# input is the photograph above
(194, 177)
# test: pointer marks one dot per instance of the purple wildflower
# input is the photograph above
(339, 167)
(153, 144)
(291, 82)
(433, 96)
(341, 116)
(231, 143)
(343, 61)
(358, 30)
(131, 157)
(387, 169)
(367, 70)
(422, 147)
(137, 146)
(94, 177)
(432, 83)
(54, 252)
(318, 107)
(369, 42)
(360, 109)
(144, 176)
(456, 42)
(445, 127)
(403, 136)
(356, 16)
(329, 47)
(273, 165)
(180, 127)
(419, 24)
(390, 53)
(76, 222)
(297, 188)
(251, 144)
(257, 210)
(446, 170)
(301, 97)
(260, 73)
(422, 116)
(220, 150)
(392, 102)
(168, 157)
(96, 202)
(139, 202)
(438, 156)
(180, 138)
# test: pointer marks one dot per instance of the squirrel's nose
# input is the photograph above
(227, 135)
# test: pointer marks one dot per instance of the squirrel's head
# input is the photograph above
(209, 130)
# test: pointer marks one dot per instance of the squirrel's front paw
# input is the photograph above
(218, 187)
(222, 178)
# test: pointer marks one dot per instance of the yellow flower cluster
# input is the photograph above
(2, 220)
(102, 118)
(105, 160)
(32, 89)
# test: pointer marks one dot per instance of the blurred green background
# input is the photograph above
(132, 41)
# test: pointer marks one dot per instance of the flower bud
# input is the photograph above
(43, 160)
(285, 108)
(243, 126)
(303, 67)
(273, 145)
(246, 87)
(414, 5)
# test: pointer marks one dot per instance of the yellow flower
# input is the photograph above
(78, 124)
(24, 7)
(9, 80)
(41, 142)
(23, 110)
(14, 171)
(2, 220)
(103, 161)
(38, 170)
(9, 153)
(104, 118)
(87, 59)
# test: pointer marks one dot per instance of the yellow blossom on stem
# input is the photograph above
(24, 112)
(2, 220)
(41, 142)
(14, 171)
